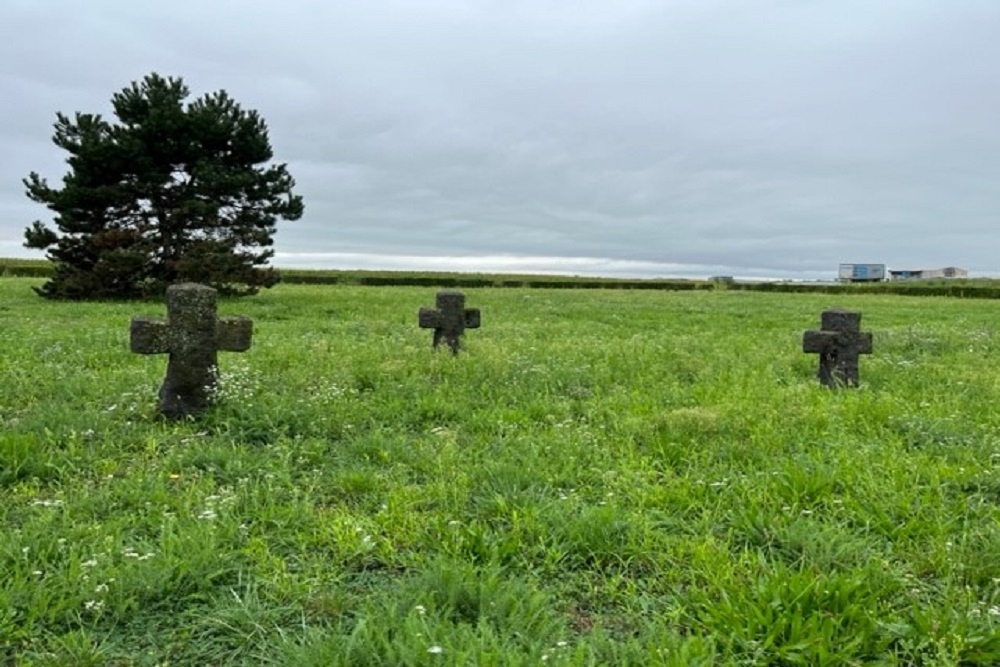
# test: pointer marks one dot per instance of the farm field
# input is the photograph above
(601, 477)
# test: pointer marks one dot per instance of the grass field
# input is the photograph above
(601, 478)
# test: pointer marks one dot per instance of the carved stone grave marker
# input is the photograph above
(450, 319)
(192, 335)
(839, 343)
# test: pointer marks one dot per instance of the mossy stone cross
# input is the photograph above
(839, 344)
(450, 319)
(192, 335)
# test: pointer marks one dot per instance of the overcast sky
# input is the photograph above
(629, 137)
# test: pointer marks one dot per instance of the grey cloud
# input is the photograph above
(763, 136)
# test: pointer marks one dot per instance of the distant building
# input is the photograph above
(861, 273)
(927, 274)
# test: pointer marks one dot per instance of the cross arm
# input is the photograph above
(818, 341)
(472, 318)
(233, 334)
(864, 342)
(430, 318)
(822, 341)
(149, 336)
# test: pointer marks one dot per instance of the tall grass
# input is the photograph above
(600, 477)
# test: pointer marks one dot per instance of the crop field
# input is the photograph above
(600, 477)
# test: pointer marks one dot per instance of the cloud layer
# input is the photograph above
(629, 138)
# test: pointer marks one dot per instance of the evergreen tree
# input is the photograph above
(172, 192)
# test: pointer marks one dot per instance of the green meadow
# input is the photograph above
(601, 477)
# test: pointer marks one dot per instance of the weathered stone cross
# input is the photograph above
(192, 335)
(838, 344)
(450, 319)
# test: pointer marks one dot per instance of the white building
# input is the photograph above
(927, 274)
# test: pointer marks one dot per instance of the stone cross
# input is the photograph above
(192, 335)
(450, 319)
(838, 343)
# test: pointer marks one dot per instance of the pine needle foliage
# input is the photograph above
(171, 192)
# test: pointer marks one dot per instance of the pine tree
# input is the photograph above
(172, 192)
